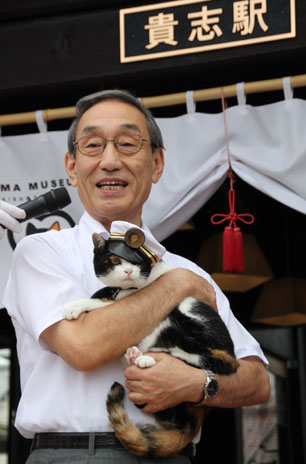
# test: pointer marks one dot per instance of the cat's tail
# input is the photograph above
(169, 440)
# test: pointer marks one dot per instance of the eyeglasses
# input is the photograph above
(93, 145)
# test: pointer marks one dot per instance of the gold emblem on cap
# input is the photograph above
(134, 237)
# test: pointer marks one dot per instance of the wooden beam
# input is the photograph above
(162, 100)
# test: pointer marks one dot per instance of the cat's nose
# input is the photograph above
(128, 271)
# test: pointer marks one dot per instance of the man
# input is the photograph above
(8, 217)
(67, 367)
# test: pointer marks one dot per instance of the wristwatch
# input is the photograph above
(211, 385)
(210, 389)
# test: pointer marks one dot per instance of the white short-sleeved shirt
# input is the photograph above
(47, 271)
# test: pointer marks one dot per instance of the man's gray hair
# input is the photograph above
(122, 95)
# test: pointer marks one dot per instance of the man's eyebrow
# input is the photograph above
(130, 127)
(92, 129)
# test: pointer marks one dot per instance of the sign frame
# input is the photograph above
(197, 49)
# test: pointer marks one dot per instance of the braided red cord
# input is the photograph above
(232, 216)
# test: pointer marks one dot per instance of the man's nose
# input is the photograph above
(110, 158)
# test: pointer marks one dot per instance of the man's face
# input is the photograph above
(114, 186)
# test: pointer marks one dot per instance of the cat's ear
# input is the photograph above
(98, 240)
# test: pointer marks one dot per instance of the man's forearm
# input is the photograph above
(99, 336)
(111, 330)
(248, 386)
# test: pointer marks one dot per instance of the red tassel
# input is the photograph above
(228, 249)
(239, 259)
(233, 260)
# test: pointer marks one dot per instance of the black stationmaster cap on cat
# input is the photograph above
(130, 246)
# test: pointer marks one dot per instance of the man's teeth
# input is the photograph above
(111, 185)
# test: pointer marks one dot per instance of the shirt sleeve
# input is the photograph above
(39, 284)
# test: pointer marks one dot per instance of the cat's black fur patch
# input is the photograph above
(108, 293)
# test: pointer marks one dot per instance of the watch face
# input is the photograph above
(211, 387)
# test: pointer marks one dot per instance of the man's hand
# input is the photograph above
(164, 385)
(199, 288)
(171, 382)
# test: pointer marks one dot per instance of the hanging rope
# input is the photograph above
(233, 259)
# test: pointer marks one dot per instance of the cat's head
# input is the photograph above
(116, 271)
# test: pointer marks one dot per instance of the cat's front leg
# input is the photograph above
(133, 355)
(73, 309)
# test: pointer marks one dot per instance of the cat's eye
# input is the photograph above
(115, 260)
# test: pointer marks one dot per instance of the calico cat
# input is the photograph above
(193, 332)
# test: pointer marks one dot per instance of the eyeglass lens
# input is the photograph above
(124, 143)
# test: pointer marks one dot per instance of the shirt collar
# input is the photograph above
(88, 225)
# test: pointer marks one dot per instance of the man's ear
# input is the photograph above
(158, 164)
(70, 168)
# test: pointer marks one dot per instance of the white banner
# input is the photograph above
(267, 145)
(30, 166)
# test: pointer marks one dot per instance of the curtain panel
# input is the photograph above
(267, 148)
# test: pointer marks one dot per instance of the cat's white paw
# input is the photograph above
(73, 309)
(132, 354)
(145, 361)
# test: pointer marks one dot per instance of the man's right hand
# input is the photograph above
(197, 287)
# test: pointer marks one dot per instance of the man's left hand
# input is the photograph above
(169, 382)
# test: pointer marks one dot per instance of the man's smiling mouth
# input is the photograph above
(111, 185)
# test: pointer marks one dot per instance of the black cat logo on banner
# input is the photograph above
(55, 221)
(193, 26)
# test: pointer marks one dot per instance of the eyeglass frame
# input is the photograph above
(76, 144)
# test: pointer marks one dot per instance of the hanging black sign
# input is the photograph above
(192, 26)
